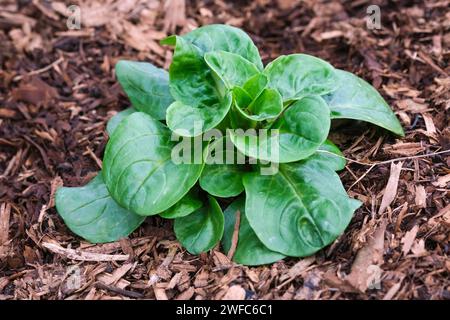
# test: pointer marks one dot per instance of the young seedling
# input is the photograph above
(254, 134)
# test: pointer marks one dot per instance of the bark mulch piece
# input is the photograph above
(58, 89)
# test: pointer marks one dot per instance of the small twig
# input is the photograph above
(362, 177)
(39, 71)
(235, 236)
(41, 151)
(374, 164)
(83, 255)
(387, 161)
(431, 63)
(94, 157)
(123, 292)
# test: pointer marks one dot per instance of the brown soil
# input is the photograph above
(58, 89)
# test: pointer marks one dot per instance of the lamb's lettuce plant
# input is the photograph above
(217, 89)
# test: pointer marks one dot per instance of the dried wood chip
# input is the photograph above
(408, 239)
(297, 269)
(400, 217)
(127, 247)
(393, 291)
(3, 283)
(310, 287)
(429, 124)
(36, 92)
(54, 185)
(442, 181)
(175, 280)
(235, 292)
(160, 292)
(48, 12)
(91, 294)
(365, 268)
(7, 113)
(446, 216)
(5, 214)
(252, 275)
(421, 197)
(418, 248)
(412, 106)
(118, 274)
(405, 149)
(391, 188)
(235, 236)
(114, 246)
(221, 261)
(201, 280)
(186, 295)
(83, 255)
(175, 14)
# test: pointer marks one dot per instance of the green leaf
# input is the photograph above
(238, 118)
(250, 250)
(303, 127)
(117, 118)
(299, 210)
(201, 230)
(330, 155)
(255, 85)
(191, 80)
(356, 99)
(188, 204)
(268, 105)
(261, 104)
(299, 75)
(241, 97)
(201, 103)
(91, 213)
(190, 121)
(231, 68)
(146, 86)
(138, 168)
(222, 174)
(216, 37)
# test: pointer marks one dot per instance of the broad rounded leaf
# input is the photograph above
(191, 80)
(231, 68)
(227, 38)
(201, 230)
(356, 99)
(250, 250)
(201, 103)
(222, 174)
(302, 129)
(299, 210)
(329, 155)
(299, 75)
(188, 204)
(117, 118)
(146, 86)
(191, 121)
(138, 168)
(91, 213)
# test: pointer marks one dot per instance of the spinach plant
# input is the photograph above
(218, 83)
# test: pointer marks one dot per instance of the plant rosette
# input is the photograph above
(220, 125)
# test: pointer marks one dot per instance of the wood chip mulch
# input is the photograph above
(58, 89)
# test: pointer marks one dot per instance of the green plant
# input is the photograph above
(217, 81)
